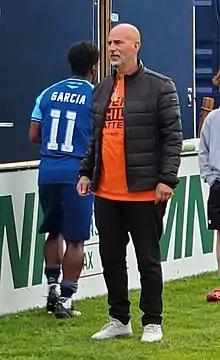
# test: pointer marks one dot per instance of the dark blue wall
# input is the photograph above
(207, 49)
(34, 40)
(35, 36)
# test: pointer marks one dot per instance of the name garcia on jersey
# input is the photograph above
(68, 98)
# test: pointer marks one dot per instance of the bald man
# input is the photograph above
(132, 165)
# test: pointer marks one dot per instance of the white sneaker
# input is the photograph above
(152, 333)
(112, 330)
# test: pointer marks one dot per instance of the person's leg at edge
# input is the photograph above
(213, 211)
(113, 240)
(146, 225)
(77, 217)
(218, 251)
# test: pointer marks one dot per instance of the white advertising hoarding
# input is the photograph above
(187, 247)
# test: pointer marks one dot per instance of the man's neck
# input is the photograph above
(129, 70)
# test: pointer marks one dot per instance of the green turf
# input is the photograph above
(191, 329)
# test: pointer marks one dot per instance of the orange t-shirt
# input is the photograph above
(113, 184)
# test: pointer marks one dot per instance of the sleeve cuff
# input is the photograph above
(36, 120)
(210, 179)
(172, 183)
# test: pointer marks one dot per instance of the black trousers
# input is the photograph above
(144, 221)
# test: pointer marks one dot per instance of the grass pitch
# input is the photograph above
(191, 329)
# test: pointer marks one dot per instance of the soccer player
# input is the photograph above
(62, 122)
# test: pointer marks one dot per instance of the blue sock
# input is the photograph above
(52, 273)
(68, 288)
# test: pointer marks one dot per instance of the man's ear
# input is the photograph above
(95, 69)
(94, 74)
(137, 46)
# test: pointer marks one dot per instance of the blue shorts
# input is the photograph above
(65, 212)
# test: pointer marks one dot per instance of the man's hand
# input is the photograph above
(163, 193)
(83, 186)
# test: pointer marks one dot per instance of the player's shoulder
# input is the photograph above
(68, 85)
(50, 89)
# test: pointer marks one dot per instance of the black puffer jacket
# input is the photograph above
(152, 126)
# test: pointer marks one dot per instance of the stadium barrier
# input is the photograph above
(187, 247)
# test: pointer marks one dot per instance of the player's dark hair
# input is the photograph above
(82, 57)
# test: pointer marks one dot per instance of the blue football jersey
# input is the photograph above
(65, 113)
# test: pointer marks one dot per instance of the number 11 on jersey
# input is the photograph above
(67, 145)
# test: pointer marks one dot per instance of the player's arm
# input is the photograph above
(87, 167)
(35, 132)
(35, 125)
(88, 161)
